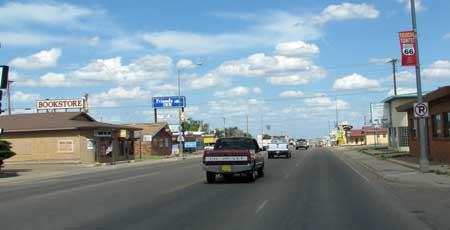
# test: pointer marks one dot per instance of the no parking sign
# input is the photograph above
(421, 110)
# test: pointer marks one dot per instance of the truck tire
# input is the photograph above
(251, 176)
(261, 171)
(210, 177)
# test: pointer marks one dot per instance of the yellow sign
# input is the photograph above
(209, 140)
(123, 133)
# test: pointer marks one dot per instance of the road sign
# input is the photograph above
(180, 138)
(169, 102)
(421, 110)
(182, 116)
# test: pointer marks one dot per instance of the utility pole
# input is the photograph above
(394, 61)
(247, 123)
(424, 163)
(8, 92)
(86, 103)
(224, 131)
(180, 136)
(337, 113)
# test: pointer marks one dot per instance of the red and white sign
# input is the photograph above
(421, 110)
(60, 104)
(408, 48)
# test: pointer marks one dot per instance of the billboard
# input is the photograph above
(379, 113)
(168, 102)
(190, 145)
(408, 48)
(60, 104)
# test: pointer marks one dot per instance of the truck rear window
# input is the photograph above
(238, 144)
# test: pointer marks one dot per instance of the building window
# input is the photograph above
(403, 136)
(166, 142)
(65, 146)
(436, 119)
(384, 135)
(413, 128)
(447, 124)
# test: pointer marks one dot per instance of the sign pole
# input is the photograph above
(424, 163)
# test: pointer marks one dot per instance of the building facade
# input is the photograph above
(73, 137)
(398, 121)
(375, 136)
(152, 139)
(437, 126)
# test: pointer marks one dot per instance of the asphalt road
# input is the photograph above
(313, 190)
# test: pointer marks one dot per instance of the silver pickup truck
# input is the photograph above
(279, 147)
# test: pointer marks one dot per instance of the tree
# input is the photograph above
(5, 150)
(232, 132)
(195, 125)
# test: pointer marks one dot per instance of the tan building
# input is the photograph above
(356, 137)
(154, 139)
(376, 136)
(72, 137)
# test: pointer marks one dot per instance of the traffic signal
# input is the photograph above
(4, 76)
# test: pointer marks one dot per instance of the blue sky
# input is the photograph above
(283, 63)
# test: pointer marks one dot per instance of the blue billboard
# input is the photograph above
(169, 102)
(190, 145)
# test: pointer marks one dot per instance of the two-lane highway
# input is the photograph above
(313, 190)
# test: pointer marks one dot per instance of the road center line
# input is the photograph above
(261, 206)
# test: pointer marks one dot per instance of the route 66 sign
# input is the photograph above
(408, 47)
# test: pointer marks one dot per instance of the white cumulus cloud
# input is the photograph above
(238, 91)
(20, 96)
(40, 60)
(296, 48)
(438, 70)
(402, 91)
(355, 81)
(346, 11)
(185, 64)
(291, 94)
(418, 4)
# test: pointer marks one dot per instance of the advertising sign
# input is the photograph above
(379, 113)
(60, 104)
(408, 48)
(169, 102)
(190, 145)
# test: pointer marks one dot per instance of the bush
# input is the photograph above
(5, 150)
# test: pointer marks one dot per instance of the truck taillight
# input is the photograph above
(204, 156)
(249, 155)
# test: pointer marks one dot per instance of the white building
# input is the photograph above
(397, 122)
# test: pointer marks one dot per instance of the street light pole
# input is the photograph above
(180, 136)
(424, 163)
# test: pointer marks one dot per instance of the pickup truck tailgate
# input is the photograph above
(229, 157)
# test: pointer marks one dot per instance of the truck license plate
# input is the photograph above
(226, 168)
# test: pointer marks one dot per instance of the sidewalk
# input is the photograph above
(394, 171)
(24, 173)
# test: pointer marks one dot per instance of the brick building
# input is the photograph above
(154, 139)
(437, 126)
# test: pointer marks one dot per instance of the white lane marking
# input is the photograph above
(182, 186)
(356, 171)
(261, 206)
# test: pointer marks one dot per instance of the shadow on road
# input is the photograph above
(7, 173)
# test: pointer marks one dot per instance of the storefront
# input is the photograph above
(72, 137)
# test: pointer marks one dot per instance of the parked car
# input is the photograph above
(278, 147)
(236, 155)
(302, 144)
